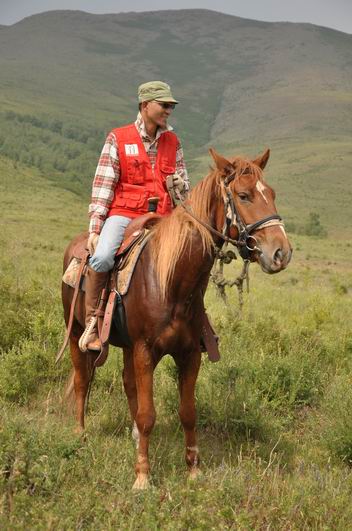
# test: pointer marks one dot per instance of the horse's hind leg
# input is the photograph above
(83, 364)
(145, 415)
(188, 371)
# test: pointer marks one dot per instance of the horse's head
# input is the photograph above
(250, 202)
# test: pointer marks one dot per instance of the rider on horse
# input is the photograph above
(134, 165)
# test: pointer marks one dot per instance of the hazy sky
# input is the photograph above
(335, 14)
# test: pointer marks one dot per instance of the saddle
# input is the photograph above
(111, 305)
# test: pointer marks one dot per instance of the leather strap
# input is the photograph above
(109, 312)
(101, 359)
(210, 342)
(100, 313)
(72, 308)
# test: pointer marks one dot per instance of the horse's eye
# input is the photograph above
(243, 196)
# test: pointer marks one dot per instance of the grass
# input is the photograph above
(273, 415)
(267, 432)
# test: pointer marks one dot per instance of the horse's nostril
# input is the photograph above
(278, 255)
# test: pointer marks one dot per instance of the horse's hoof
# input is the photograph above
(194, 473)
(141, 482)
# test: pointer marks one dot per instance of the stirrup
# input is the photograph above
(83, 340)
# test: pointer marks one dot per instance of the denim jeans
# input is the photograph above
(110, 240)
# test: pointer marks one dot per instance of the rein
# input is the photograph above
(221, 235)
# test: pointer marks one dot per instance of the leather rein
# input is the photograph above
(233, 218)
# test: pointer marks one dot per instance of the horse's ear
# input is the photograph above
(262, 160)
(222, 164)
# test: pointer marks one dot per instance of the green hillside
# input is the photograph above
(68, 77)
(233, 76)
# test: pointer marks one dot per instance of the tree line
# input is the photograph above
(63, 151)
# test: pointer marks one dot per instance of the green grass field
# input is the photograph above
(274, 423)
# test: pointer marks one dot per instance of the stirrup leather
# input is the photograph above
(83, 340)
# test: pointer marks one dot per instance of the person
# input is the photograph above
(134, 164)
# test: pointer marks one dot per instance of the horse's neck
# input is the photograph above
(193, 270)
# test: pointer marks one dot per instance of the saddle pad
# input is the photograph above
(70, 275)
(124, 269)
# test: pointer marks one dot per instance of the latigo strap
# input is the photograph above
(73, 305)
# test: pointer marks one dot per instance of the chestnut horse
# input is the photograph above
(164, 304)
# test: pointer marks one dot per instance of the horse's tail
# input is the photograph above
(69, 397)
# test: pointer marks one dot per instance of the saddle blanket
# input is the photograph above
(123, 269)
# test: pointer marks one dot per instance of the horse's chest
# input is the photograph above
(179, 334)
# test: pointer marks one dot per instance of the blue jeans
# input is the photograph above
(110, 240)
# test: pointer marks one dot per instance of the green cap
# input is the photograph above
(155, 90)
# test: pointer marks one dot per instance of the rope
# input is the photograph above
(220, 282)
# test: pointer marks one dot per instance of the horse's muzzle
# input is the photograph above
(276, 261)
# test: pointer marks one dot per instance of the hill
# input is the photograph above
(69, 76)
(233, 76)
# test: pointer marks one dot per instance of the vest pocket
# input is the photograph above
(131, 197)
(135, 172)
(166, 168)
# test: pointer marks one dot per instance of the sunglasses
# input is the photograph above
(166, 105)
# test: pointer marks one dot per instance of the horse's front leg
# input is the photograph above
(145, 416)
(129, 383)
(188, 371)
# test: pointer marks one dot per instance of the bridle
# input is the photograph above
(233, 218)
(245, 231)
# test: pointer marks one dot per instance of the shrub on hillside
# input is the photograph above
(30, 459)
(313, 226)
(15, 322)
(337, 433)
(22, 369)
(65, 152)
(32, 329)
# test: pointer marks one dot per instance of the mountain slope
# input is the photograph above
(67, 77)
(233, 76)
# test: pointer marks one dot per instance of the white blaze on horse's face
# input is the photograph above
(229, 216)
(261, 188)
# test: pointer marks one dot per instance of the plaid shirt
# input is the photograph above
(108, 172)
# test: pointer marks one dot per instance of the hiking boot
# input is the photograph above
(95, 282)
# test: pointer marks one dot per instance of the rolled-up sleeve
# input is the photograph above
(106, 178)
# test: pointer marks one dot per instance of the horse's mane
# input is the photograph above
(174, 232)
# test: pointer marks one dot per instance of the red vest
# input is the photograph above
(138, 180)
